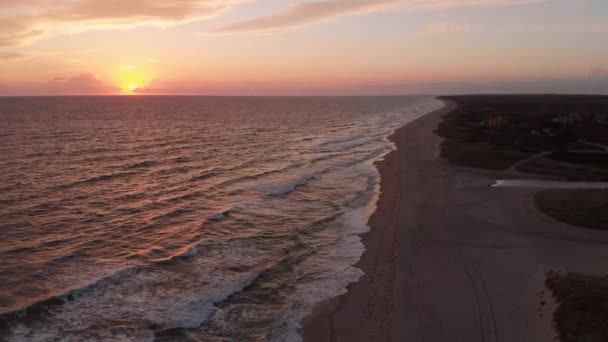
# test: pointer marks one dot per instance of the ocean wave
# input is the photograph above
(173, 214)
(221, 216)
(93, 151)
(142, 164)
(174, 170)
(337, 258)
(97, 179)
(181, 160)
(226, 235)
(206, 174)
(279, 188)
(160, 296)
(347, 144)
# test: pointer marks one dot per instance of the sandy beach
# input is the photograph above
(449, 258)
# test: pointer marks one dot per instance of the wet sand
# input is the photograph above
(450, 258)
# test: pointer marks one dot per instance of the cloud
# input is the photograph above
(25, 21)
(305, 13)
(17, 31)
(7, 56)
(311, 12)
(85, 83)
(598, 73)
(545, 85)
(574, 85)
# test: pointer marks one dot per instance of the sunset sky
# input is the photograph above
(283, 47)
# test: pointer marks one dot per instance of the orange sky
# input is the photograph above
(260, 47)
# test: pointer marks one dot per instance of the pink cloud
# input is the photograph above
(6, 56)
(80, 84)
(24, 21)
(311, 12)
(17, 31)
(598, 73)
(85, 83)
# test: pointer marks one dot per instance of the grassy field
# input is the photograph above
(592, 159)
(585, 207)
(494, 132)
(555, 168)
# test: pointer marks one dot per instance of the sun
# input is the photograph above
(132, 79)
(131, 89)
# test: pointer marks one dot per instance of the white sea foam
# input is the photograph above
(342, 254)
(298, 199)
(180, 295)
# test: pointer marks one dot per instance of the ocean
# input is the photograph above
(141, 218)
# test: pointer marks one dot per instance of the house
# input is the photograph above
(600, 118)
(497, 122)
(569, 119)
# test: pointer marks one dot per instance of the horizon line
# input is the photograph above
(313, 95)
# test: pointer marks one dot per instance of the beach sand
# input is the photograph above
(449, 258)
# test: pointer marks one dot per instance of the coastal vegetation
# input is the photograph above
(556, 136)
(559, 138)
(580, 207)
(583, 306)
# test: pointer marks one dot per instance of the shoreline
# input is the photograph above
(319, 325)
(450, 258)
